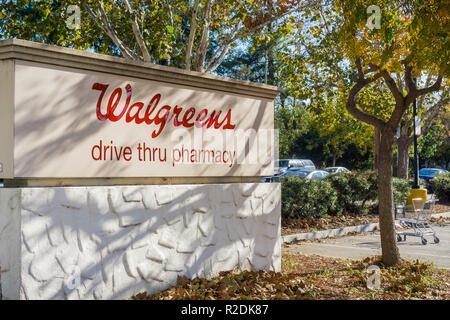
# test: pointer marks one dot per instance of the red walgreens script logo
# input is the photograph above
(163, 115)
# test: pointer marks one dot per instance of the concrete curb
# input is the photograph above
(329, 233)
(340, 232)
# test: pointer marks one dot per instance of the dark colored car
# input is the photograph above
(427, 174)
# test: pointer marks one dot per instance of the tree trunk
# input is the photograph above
(403, 157)
(390, 252)
(334, 158)
(204, 40)
(193, 26)
(376, 148)
(270, 57)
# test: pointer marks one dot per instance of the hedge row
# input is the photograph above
(441, 187)
(353, 192)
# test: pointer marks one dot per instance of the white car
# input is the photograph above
(332, 170)
(308, 174)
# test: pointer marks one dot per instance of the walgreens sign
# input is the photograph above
(71, 122)
(156, 113)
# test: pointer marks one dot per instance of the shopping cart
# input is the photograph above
(421, 211)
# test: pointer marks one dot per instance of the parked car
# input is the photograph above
(333, 170)
(427, 174)
(285, 164)
(305, 173)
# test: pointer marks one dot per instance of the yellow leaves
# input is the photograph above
(413, 31)
(231, 285)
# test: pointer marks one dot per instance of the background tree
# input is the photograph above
(195, 34)
(312, 71)
(429, 109)
(412, 39)
(434, 144)
(341, 130)
(45, 21)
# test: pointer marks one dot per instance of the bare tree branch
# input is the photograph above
(214, 63)
(390, 82)
(435, 87)
(137, 32)
(427, 84)
(410, 85)
(433, 111)
(359, 68)
(351, 102)
(217, 57)
(204, 40)
(187, 57)
(413, 92)
(399, 82)
(104, 24)
(428, 117)
(170, 14)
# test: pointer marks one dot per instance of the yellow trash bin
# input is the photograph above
(417, 193)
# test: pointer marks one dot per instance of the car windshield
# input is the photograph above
(283, 163)
(331, 170)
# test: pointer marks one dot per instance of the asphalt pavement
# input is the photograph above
(368, 244)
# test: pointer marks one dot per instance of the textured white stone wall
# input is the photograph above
(9, 243)
(113, 242)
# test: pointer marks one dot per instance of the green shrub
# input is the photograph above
(422, 183)
(307, 198)
(355, 191)
(351, 193)
(401, 189)
(441, 186)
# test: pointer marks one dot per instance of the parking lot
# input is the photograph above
(368, 244)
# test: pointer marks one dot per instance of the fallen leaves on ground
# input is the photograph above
(441, 207)
(441, 221)
(231, 285)
(315, 277)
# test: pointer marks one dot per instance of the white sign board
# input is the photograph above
(418, 130)
(77, 123)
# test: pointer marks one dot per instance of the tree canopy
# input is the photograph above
(194, 35)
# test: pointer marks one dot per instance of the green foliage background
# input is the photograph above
(344, 193)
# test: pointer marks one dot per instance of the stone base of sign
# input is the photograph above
(116, 241)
